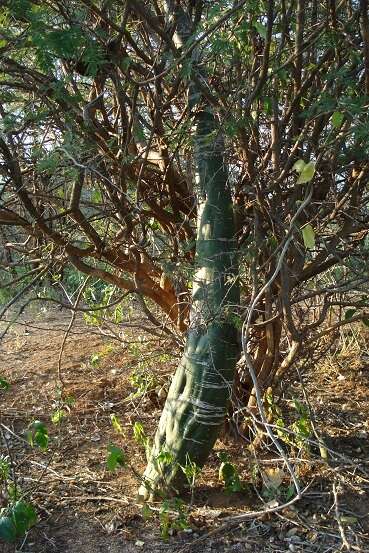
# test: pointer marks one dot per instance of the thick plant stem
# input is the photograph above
(198, 397)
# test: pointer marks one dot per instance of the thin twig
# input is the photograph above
(245, 334)
(11, 460)
(345, 543)
(234, 521)
(65, 337)
(94, 498)
(19, 295)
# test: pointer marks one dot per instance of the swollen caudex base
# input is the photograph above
(193, 413)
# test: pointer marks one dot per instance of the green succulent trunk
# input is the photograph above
(199, 394)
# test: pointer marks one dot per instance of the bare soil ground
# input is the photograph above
(83, 507)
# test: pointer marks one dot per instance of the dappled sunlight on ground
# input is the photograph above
(84, 507)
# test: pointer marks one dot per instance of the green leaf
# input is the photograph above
(4, 468)
(348, 519)
(95, 360)
(226, 471)
(8, 531)
(337, 119)
(13, 491)
(308, 235)
(307, 173)
(4, 384)
(366, 322)
(165, 458)
(298, 165)
(235, 485)
(57, 416)
(116, 424)
(139, 434)
(96, 196)
(70, 401)
(349, 314)
(116, 458)
(261, 29)
(38, 435)
(228, 475)
(23, 517)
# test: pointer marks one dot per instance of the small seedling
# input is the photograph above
(191, 470)
(4, 384)
(38, 435)
(228, 474)
(16, 521)
(143, 381)
(95, 360)
(4, 468)
(116, 458)
(141, 438)
(58, 416)
(115, 422)
(172, 517)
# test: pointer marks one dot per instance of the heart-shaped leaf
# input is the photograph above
(8, 531)
(308, 235)
(337, 119)
(23, 517)
(298, 165)
(307, 173)
(261, 29)
(116, 457)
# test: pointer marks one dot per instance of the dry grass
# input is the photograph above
(83, 507)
